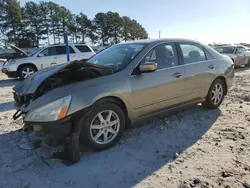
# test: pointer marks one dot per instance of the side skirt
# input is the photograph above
(167, 112)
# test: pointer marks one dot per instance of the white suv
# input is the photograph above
(44, 57)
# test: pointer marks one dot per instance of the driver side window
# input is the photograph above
(164, 55)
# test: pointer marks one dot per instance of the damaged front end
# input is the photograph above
(54, 77)
(43, 105)
(48, 79)
(33, 88)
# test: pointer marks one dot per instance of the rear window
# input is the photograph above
(226, 50)
(83, 48)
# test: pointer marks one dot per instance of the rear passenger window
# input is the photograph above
(192, 53)
(60, 50)
(83, 48)
(208, 55)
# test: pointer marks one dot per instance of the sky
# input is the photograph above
(208, 21)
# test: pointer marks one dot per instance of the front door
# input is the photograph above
(200, 70)
(163, 88)
(48, 57)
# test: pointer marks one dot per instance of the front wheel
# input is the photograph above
(215, 94)
(26, 71)
(103, 127)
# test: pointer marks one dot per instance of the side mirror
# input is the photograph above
(40, 55)
(148, 67)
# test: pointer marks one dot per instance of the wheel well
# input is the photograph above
(225, 82)
(120, 103)
(30, 64)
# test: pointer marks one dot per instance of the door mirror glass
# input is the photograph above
(40, 55)
(148, 67)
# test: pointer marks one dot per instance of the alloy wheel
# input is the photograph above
(217, 93)
(104, 127)
(26, 72)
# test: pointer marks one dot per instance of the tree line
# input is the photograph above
(28, 25)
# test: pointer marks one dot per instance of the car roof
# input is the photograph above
(147, 41)
(64, 44)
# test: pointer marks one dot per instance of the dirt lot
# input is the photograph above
(195, 148)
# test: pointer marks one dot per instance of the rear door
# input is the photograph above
(163, 88)
(200, 70)
(61, 54)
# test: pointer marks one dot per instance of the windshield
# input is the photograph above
(117, 57)
(34, 52)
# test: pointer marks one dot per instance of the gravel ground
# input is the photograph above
(194, 148)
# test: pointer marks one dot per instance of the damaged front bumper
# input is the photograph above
(54, 132)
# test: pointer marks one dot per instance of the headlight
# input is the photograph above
(53, 111)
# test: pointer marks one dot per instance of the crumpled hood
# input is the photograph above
(30, 84)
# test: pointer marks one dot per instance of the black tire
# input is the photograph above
(85, 136)
(209, 104)
(21, 69)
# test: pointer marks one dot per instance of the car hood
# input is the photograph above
(31, 84)
(19, 51)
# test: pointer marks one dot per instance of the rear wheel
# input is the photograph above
(215, 94)
(103, 127)
(26, 71)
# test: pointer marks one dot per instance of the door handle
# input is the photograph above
(211, 66)
(177, 75)
(55, 57)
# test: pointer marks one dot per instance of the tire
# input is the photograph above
(88, 134)
(211, 102)
(29, 69)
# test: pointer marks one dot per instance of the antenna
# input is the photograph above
(159, 34)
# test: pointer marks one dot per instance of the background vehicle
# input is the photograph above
(239, 54)
(28, 64)
(124, 83)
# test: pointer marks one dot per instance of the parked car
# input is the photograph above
(239, 54)
(96, 100)
(28, 64)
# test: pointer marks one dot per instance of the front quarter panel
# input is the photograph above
(18, 62)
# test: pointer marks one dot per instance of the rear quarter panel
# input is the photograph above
(225, 70)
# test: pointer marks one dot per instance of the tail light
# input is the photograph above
(232, 65)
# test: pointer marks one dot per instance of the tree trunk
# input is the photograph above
(37, 37)
(76, 38)
(83, 38)
(48, 34)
